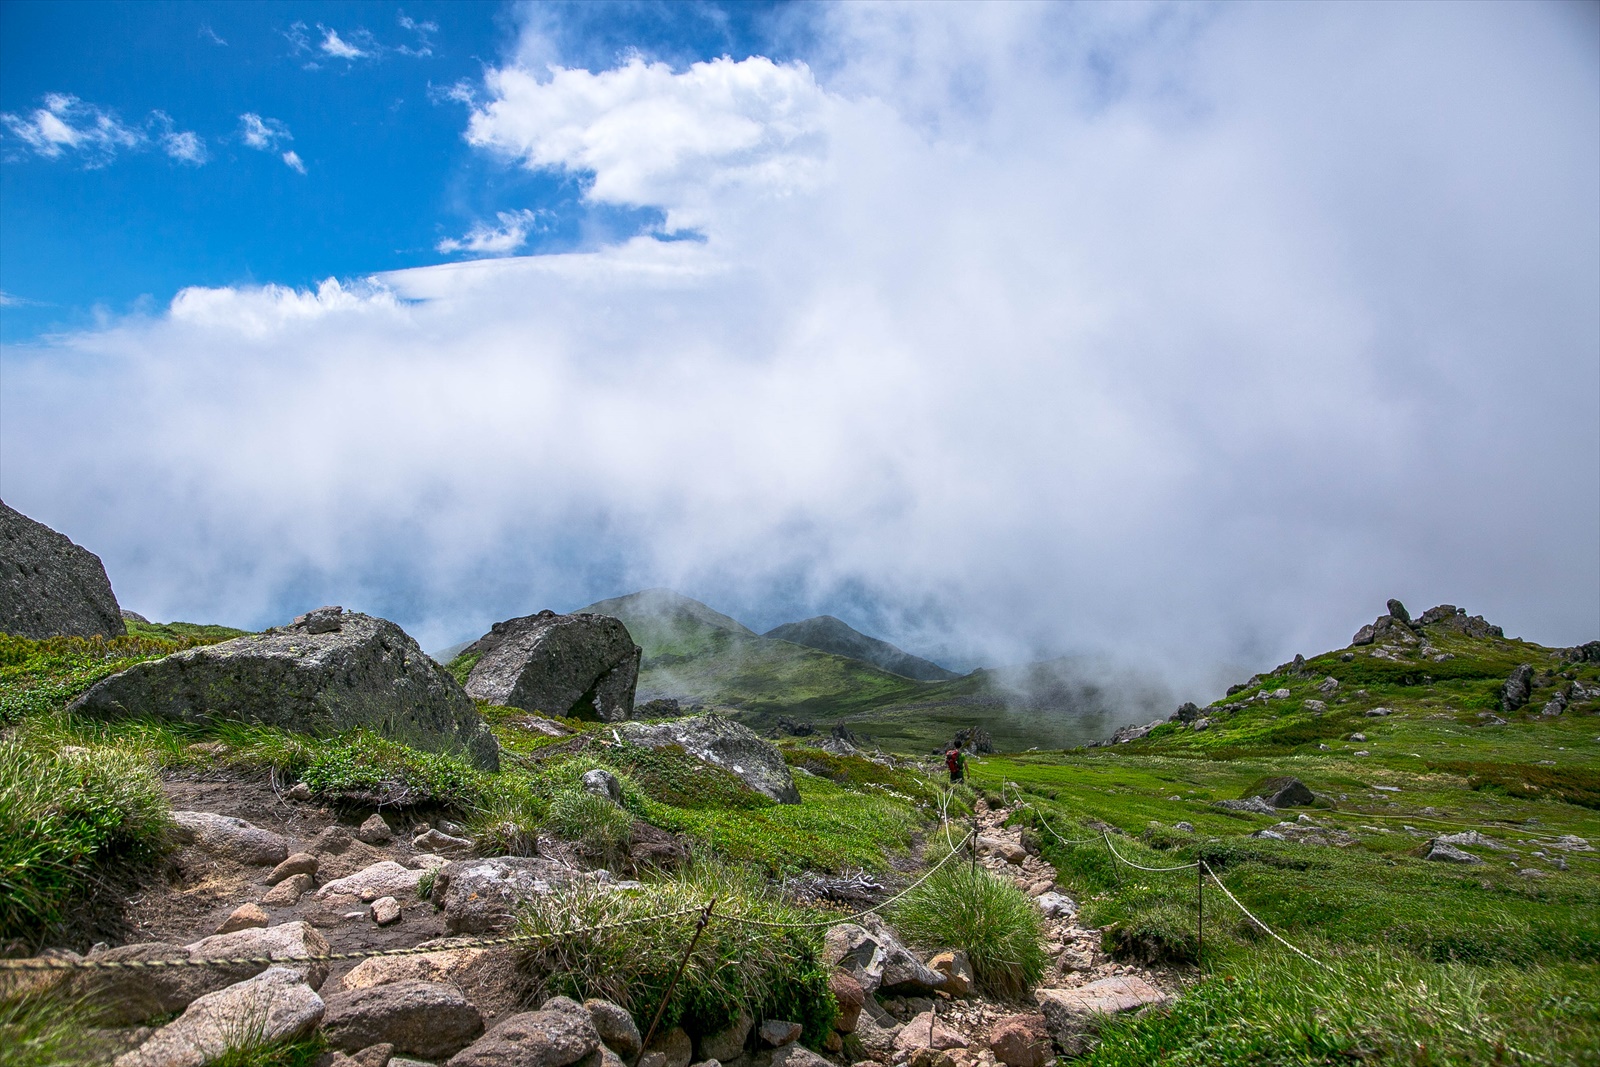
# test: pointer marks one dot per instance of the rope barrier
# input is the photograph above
(1257, 921)
(1140, 867)
(834, 921)
(52, 964)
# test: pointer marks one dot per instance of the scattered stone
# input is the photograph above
(426, 861)
(1021, 1041)
(385, 911)
(244, 917)
(1378, 713)
(301, 677)
(930, 1057)
(1007, 850)
(375, 831)
(429, 1019)
(779, 1032)
(124, 997)
(1185, 827)
(672, 1049)
(549, 1037)
(1358, 738)
(50, 586)
(876, 1037)
(299, 791)
(1471, 837)
(1187, 712)
(726, 744)
(573, 666)
(1254, 805)
(227, 836)
(1315, 707)
(925, 1031)
(287, 893)
(1445, 853)
(616, 1027)
(275, 1005)
(299, 863)
(602, 783)
(289, 943)
(480, 896)
(386, 878)
(1570, 843)
(1329, 686)
(1056, 905)
(847, 992)
(1279, 694)
(797, 1056)
(379, 1055)
(957, 971)
(1074, 1015)
(431, 840)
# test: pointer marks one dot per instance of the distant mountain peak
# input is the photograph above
(667, 606)
(828, 634)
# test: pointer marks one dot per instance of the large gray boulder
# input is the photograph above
(275, 1005)
(575, 666)
(51, 587)
(326, 672)
(726, 744)
(482, 896)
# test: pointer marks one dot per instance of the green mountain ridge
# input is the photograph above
(828, 634)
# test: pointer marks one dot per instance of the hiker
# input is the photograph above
(956, 760)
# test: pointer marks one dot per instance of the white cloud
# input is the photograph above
(423, 31)
(66, 124)
(211, 35)
(96, 135)
(654, 137)
(1028, 328)
(337, 47)
(484, 239)
(293, 161)
(262, 134)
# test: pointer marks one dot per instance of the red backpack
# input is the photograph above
(951, 758)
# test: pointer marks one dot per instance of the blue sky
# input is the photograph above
(1180, 334)
(383, 173)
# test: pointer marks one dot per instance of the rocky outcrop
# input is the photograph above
(576, 666)
(227, 836)
(427, 1019)
(327, 672)
(877, 960)
(1514, 694)
(1282, 792)
(51, 587)
(1074, 1015)
(558, 1034)
(726, 744)
(1450, 617)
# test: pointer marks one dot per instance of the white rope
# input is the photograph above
(1207, 868)
(834, 921)
(1140, 867)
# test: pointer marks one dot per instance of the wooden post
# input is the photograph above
(1199, 910)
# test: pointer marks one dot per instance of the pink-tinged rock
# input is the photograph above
(925, 1031)
(1072, 1015)
(1021, 1041)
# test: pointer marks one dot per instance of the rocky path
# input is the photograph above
(267, 874)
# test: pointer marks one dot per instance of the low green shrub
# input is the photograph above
(66, 814)
(362, 768)
(770, 973)
(987, 917)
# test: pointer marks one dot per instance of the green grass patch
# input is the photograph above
(770, 973)
(987, 917)
(1573, 785)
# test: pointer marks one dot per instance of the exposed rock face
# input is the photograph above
(50, 586)
(877, 960)
(727, 744)
(974, 739)
(1450, 617)
(1398, 611)
(312, 678)
(1514, 694)
(615, 1026)
(1441, 852)
(847, 992)
(575, 666)
(1187, 712)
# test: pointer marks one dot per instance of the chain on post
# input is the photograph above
(699, 928)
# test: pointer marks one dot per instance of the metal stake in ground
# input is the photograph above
(1199, 913)
(700, 928)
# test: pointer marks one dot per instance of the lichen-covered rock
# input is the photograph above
(275, 1005)
(575, 666)
(1514, 694)
(926, 1031)
(615, 1026)
(1021, 1041)
(311, 678)
(286, 944)
(51, 587)
(1282, 792)
(549, 1037)
(238, 840)
(428, 1019)
(1074, 1015)
(120, 997)
(481, 896)
(723, 743)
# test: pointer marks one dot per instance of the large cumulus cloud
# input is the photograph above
(1186, 335)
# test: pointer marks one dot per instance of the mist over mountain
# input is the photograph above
(837, 636)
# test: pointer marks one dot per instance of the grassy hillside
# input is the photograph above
(1426, 961)
(828, 634)
(697, 655)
